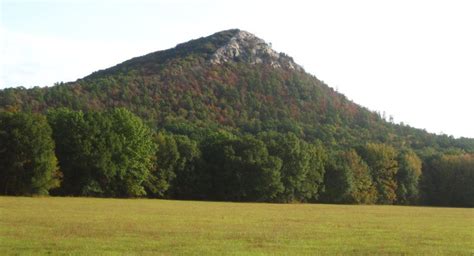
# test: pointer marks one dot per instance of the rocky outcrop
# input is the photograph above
(244, 46)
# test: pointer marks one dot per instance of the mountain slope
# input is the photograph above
(232, 80)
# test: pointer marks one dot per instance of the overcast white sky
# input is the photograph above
(412, 59)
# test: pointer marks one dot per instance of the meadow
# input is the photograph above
(92, 226)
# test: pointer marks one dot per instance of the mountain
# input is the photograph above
(233, 120)
(230, 80)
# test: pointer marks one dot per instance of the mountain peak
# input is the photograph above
(233, 45)
(245, 46)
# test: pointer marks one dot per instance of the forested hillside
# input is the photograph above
(230, 119)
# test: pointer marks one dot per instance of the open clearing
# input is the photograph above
(91, 226)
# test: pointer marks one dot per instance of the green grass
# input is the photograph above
(89, 226)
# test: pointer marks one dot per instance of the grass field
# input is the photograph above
(89, 226)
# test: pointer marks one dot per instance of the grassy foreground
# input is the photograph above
(89, 226)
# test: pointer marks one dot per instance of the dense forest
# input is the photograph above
(222, 117)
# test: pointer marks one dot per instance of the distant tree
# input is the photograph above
(28, 165)
(448, 180)
(242, 170)
(176, 174)
(313, 185)
(295, 162)
(462, 179)
(190, 182)
(167, 156)
(102, 153)
(381, 159)
(133, 151)
(70, 132)
(363, 190)
(348, 180)
(302, 169)
(408, 176)
(337, 181)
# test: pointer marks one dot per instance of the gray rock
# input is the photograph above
(244, 46)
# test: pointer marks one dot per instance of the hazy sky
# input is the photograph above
(412, 59)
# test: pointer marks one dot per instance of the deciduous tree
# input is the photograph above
(28, 165)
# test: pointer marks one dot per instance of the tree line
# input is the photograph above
(114, 153)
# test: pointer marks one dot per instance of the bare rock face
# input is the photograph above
(244, 46)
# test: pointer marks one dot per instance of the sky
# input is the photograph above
(412, 59)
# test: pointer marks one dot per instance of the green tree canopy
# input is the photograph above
(348, 180)
(242, 170)
(28, 165)
(448, 180)
(167, 156)
(302, 169)
(382, 162)
(190, 181)
(103, 153)
(408, 175)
